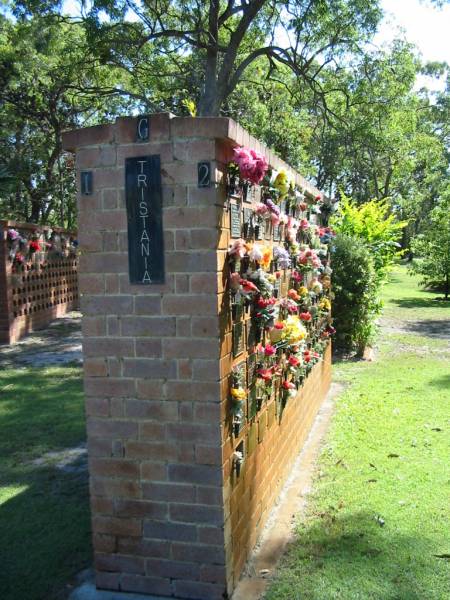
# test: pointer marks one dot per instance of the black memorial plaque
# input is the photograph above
(144, 215)
(86, 183)
(235, 220)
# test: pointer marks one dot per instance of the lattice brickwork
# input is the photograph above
(36, 291)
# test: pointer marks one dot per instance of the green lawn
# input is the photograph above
(377, 522)
(44, 516)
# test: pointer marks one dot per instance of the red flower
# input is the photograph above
(248, 287)
(305, 316)
(287, 385)
(296, 276)
(34, 246)
(307, 356)
(269, 350)
(294, 361)
(279, 325)
(278, 274)
(318, 198)
(265, 374)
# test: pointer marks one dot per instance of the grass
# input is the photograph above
(44, 515)
(377, 521)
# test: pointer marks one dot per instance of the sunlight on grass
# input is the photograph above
(8, 492)
(376, 524)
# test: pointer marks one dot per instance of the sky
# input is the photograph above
(424, 25)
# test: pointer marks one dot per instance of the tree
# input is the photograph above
(48, 83)
(225, 38)
(432, 248)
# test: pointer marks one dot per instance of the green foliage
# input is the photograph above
(376, 226)
(432, 248)
(355, 287)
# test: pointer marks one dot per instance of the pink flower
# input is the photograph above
(261, 209)
(238, 248)
(287, 385)
(293, 361)
(252, 166)
(269, 350)
(304, 224)
(305, 316)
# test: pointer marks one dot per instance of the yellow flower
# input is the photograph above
(281, 183)
(302, 291)
(238, 393)
(293, 330)
(325, 304)
(266, 258)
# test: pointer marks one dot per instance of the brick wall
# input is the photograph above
(34, 293)
(169, 515)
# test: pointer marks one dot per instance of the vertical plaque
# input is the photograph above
(86, 183)
(238, 338)
(235, 220)
(144, 215)
(248, 223)
(277, 233)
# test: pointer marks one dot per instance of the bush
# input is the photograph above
(355, 287)
(432, 249)
(372, 223)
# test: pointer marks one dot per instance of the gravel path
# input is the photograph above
(58, 344)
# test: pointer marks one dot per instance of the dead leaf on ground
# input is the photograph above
(393, 455)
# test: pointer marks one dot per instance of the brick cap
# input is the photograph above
(166, 126)
(88, 591)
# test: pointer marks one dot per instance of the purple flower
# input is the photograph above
(281, 255)
(13, 234)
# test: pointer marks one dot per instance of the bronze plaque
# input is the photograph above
(235, 220)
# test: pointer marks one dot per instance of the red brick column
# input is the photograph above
(5, 294)
(165, 514)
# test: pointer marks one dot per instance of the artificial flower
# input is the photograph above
(325, 304)
(279, 325)
(235, 279)
(281, 255)
(294, 361)
(281, 183)
(252, 166)
(256, 253)
(238, 248)
(293, 295)
(266, 257)
(305, 316)
(265, 374)
(34, 246)
(294, 331)
(13, 234)
(238, 393)
(269, 350)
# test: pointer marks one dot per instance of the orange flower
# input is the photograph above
(266, 258)
(293, 295)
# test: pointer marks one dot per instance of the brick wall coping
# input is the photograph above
(166, 126)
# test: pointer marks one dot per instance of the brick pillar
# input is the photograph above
(166, 516)
(5, 294)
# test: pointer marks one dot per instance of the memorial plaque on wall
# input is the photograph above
(277, 233)
(238, 338)
(251, 369)
(144, 216)
(252, 402)
(277, 288)
(268, 229)
(235, 220)
(248, 223)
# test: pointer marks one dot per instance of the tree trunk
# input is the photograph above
(209, 105)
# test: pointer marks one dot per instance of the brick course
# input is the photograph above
(169, 515)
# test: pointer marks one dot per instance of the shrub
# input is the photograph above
(355, 287)
(432, 248)
(373, 224)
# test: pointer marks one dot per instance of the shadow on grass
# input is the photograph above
(419, 302)
(442, 382)
(40, 410)
(352, 556)
(434, 328)
(45, 534)
(44, 510)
